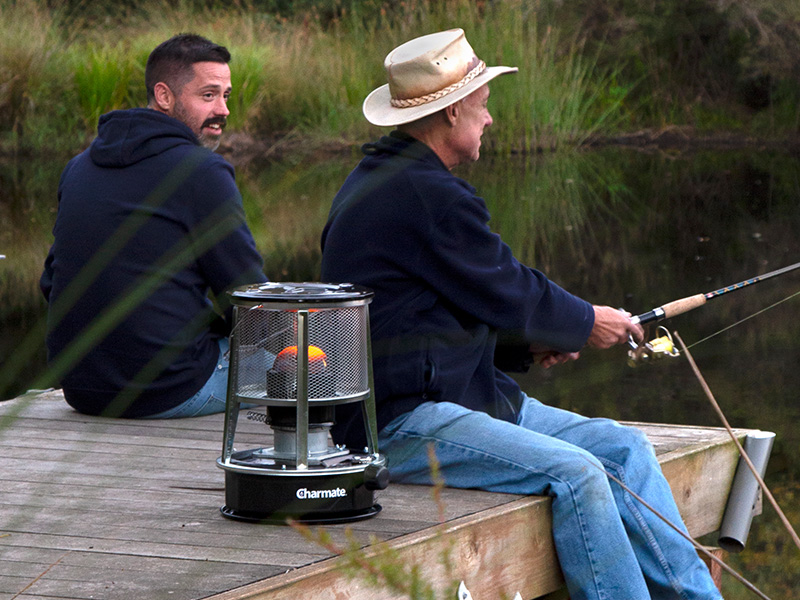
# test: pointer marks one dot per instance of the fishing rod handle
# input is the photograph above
(671, 309)
(678, 307)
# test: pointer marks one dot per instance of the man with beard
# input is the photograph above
(150, 231)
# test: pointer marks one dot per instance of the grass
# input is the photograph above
(603, 67)
(560, 95)
(25, 47)
(104, 75)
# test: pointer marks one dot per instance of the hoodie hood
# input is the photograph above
(125, 137)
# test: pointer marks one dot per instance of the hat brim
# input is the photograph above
(378, 110)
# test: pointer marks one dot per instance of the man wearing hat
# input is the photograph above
(445, 288)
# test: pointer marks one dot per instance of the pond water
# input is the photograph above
(615, 226)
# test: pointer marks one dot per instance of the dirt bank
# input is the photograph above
(687, 138)
(242, 149)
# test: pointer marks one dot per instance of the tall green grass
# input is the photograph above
(103, 78)
(559, 96)
(592, 68)
(26, 48)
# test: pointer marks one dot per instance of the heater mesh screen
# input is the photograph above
(264, 349)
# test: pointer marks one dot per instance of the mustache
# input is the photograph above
(221, 121)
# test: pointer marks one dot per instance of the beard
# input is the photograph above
(210, 141)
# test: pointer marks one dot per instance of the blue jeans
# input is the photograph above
(211, 397)
(609, 546)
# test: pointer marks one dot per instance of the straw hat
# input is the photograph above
(425, 75)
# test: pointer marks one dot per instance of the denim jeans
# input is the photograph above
(211, 397)
(609, 546)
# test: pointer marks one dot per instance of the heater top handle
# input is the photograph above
(313, 293)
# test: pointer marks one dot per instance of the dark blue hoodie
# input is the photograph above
(445, 287)
(149, 222)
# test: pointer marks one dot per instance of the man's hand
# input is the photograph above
(612, 326)
(549, 358)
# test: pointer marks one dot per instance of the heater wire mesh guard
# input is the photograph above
(266, 343)
(299, 349)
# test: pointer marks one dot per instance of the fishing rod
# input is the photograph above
(678, 307)
(663, 346)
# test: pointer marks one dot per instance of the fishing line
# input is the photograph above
(742, 453)
(741, 579)
(763, 310)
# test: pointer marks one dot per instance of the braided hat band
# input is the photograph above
(409, 102)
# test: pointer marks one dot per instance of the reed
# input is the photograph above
(559, 97)
(103, 76)
(25, 49)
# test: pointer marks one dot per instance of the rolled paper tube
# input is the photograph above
(743, 497)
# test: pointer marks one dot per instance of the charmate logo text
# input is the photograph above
(307, 494)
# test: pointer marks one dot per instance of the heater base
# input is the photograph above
(307, 498)
(308, 519)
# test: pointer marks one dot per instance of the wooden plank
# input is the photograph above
(269, 555)
(76, 573)
(194, 581)
(155, 434)
(487, 549)
(700, 478)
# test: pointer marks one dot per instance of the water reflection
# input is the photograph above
(616, 227)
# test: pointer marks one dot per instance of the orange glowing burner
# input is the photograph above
(286, 361)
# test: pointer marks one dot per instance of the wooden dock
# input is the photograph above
(118, 509)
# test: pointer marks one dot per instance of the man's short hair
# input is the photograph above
(172, 61)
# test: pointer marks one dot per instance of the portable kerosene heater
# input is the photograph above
(296, 351)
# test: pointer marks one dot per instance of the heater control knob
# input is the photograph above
(376, 477)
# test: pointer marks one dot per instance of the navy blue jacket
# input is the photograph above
(445, 286)
(149, 222)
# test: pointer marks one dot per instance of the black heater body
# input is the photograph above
(296, 351)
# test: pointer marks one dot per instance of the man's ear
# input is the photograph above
(452, 113)
(163, 98)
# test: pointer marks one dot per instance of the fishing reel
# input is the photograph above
(655, 349)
